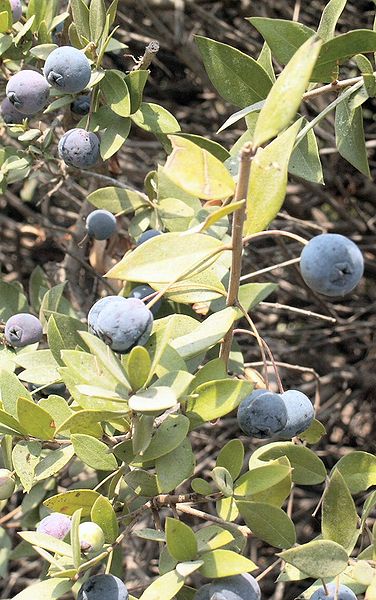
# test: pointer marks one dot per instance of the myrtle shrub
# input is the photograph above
(119, 391)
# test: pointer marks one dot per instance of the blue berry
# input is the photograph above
(344, 593)
(56, 524)
(79, 148)
(67, 69)
(22, 330)
(28, 91)
(237, 587)
(121, 323)
(300, 414)
(81, 105)
(331, 264)
(101, 224)
(103, 587)
(147, 235)
(9, 112)
(262, 414)
(143, 291)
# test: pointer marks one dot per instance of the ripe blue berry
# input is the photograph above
(262, 414)
(28, 91)
(300, 414)
(22, 330)
(344, 593)
(121, 323)
(101, 224)
(56, 524)
(147, 235)
(103, 587)
(143, 291)
(9, 112)
(67, 69)
(81, 105)
(79, 148)
(237, 587)
(331, 264)
(16, 7)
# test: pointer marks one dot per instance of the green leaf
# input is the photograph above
(269, 523)
(116, 93)
(225, 563)
(238, 78)
(215, 399)
(197, 171)
(350, 139)
(226, 509)
(40, 367)
(117, 200)
(338, 49)
(114, 137)
(97, 19)
(200, 486)
(35, 419)
(166, 258)
(13, 300)
(284, 37)
(358, 470)
(68, 502)
(268, 182)
(339, 516)
(181, 541)
(12, 423)
(318, 559)
(153, 401)
(138, 367)
(265, 59)
(286, 94)
(47, 542)
(174, 468)
(314, 433)
(305, 159)
(165, 587)
(213, 147)
(75, 538)
(154, 118)
(25, 457)
(80, 14)
(62, 334)
(308, 469)
(223, 480)
(206, 335)
(54, 462)
(212, 538)
(49, 589)
(261, 478)
(142, 482)
(169, 435)
(93, 452)
(329, 18)
(136, 81)
(103, 514)
(231, 457)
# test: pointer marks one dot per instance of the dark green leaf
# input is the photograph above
(238, 78)
(350, 139)
(181, 541)
(283, 37)
(339, 516)
(318, 559)
(268, 523)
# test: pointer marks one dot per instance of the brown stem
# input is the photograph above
(246, 156)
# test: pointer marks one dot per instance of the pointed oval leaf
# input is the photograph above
(166, 258)
(318, 559)
(50, 589)
(283, 37)
(358, 470)
(261, 478)
(174, 468)
(47, 542)
(68, 502)
(225, 563)
(93, 452)
(269, 523)
(53, 462)
(103, 514)
(238, 78)
(116, 92)
(153, 401)
(169, 435)
(215, 399)
(308, 469)
(339, 516)
(268, 181)
(350, 139)
(231, 457)
(138, 367)
(35, 419)
(180, 539)
(197, 171)
(286, 94)
(165, 587)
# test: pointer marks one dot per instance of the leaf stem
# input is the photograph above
(246, 156)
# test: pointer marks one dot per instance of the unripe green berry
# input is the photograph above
(91, 537)
(7, 484)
